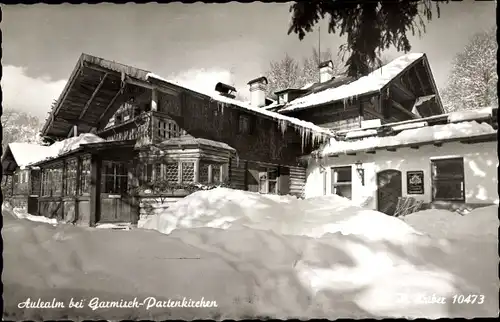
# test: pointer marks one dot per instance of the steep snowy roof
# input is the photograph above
(420, 134)
(62, 147)
(26, 153)
(373, 82)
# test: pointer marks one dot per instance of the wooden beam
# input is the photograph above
(95, 190)
(73, 131)
(404, 90)
(87, 105)
(401, 108)
(109, 106)
(420, 81)
(75, 121)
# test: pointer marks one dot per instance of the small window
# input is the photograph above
(187, 172)
(342, 182)
(114, 177)
(85, 176)
(268, 181)
(71, 171)
(244, 124)
(448, 179)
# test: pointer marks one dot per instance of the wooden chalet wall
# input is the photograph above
(211, 120)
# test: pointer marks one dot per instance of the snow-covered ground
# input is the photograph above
(256, 256)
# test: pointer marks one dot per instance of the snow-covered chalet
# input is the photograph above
(122, 135)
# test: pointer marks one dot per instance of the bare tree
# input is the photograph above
(473, 78)
(288, 73)
(310, 72)
(19, 126)
(283, 74)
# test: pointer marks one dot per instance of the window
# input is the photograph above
(187, 171)
(171, 172)
(169, 129)
(448, 179)
(342, 182)
(268, 180)
(52, 181)
(85, 176)
(71, 170)
(114, 177)
(244, 124)
(210, 173)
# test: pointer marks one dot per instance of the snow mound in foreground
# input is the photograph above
(20, 214)
(481, 222)
(228, 208)
(250, 273)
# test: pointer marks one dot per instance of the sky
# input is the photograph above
(197, 44)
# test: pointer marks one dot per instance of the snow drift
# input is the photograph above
(224, 208)
(264, 263)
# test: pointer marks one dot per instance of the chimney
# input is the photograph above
(225, 90)
(258, 88)
(326, 71)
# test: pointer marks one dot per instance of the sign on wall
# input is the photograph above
(415, 182)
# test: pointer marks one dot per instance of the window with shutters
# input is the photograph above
(268, 180)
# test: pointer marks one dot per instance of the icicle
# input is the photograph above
(282, 125)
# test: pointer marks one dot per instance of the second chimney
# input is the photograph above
(258, 88)
(326, 71)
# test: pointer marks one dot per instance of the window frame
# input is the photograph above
(267, 181)
(120, 180)
(454, 178)
(335, 183)
(245, 118)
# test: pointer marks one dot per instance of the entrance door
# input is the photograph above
(115, 202)
(389, 189)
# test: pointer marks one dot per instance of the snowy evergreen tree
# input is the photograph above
(473, 78)
(18, 126)
(370, 26)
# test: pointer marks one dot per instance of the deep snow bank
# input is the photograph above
(224, 208)
(481, 223)
(248, 272)
(7, 210)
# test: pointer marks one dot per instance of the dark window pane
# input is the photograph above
(343, 191)
(341, 174)
(449, 168)
(448, 190)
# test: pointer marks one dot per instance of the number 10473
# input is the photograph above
(468, 299)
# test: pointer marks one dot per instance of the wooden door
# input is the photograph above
(114, 209)
(389, 189)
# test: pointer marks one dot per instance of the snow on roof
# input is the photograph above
(421, 100)
(409, 136)
(65, 146)
(283, 120)
(468, 115)
(26, 153)
(374, 81)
